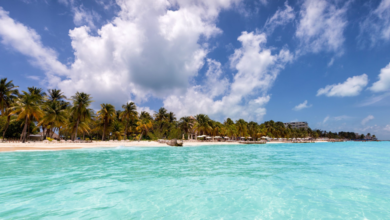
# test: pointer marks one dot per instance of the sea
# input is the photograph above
(348, 180)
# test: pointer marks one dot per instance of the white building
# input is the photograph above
(298, 124)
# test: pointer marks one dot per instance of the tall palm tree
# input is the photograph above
(145, 115)
(38, 92)
(54, 116)
(8, 94)
(80, 110)
(55, 95)
(27, 106)
(171, 117)
(241, 126)
(117, 129)
(129, 112)
(186, 124)
(161, 115)
(144, 125)
(203, 125)
(107, 113)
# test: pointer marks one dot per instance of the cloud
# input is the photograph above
(377, 24)
(336, 118)
(33, 77)
(326, 119)
(367, 119)
(81, 16)
(331, 62)
(126, 60)
(280, 18)
(27, 42)
(383, 84)
(321, 26)
(145, 109)
(387, 128)
(351, 87)
(256, 70)
(147, 50)
(342, 117)
(301, 106)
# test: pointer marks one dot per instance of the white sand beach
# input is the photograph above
(36, 146)
(4, 147)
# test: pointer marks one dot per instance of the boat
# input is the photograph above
(175, 143)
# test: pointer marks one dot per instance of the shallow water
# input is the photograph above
(274, 181)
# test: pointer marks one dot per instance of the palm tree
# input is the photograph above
(145, 115)
(55, 95)
(107, 113)
(117, 129)
(27, 106)
(203, 125)
(37, 91)
(54, 117)
(186, 124)
(80, 110)
(171, 117)
(144, 125)
(161, 115)
(8, 93)
(129, 112)
(241, 126)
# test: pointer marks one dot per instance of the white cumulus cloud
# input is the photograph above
(387, 128)
(383, 84)
(367, 119)
(256, 67)
(351, 87)
(302, 106)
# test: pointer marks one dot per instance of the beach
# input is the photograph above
(37, 146)
(40, 146)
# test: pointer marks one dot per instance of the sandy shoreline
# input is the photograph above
(39, 146)
(6, 147)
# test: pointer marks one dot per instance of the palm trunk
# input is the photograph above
(140, 137)
(104, 129)
(6, 126)
(77, 127)
(24, 132)
(126, 133)
(44, 133)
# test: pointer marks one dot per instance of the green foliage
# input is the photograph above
(50, 139)
(52, 113)
(15, 128)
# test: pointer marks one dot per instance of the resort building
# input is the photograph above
(297, 124)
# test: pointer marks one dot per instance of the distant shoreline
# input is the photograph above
(39, 146)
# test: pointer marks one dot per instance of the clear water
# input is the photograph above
(283, 181)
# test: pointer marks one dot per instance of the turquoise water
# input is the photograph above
(281, 181)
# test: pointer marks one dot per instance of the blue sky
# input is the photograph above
(324, 62)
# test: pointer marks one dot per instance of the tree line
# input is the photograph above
(51, 112)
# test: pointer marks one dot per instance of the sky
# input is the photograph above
(323, 62)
